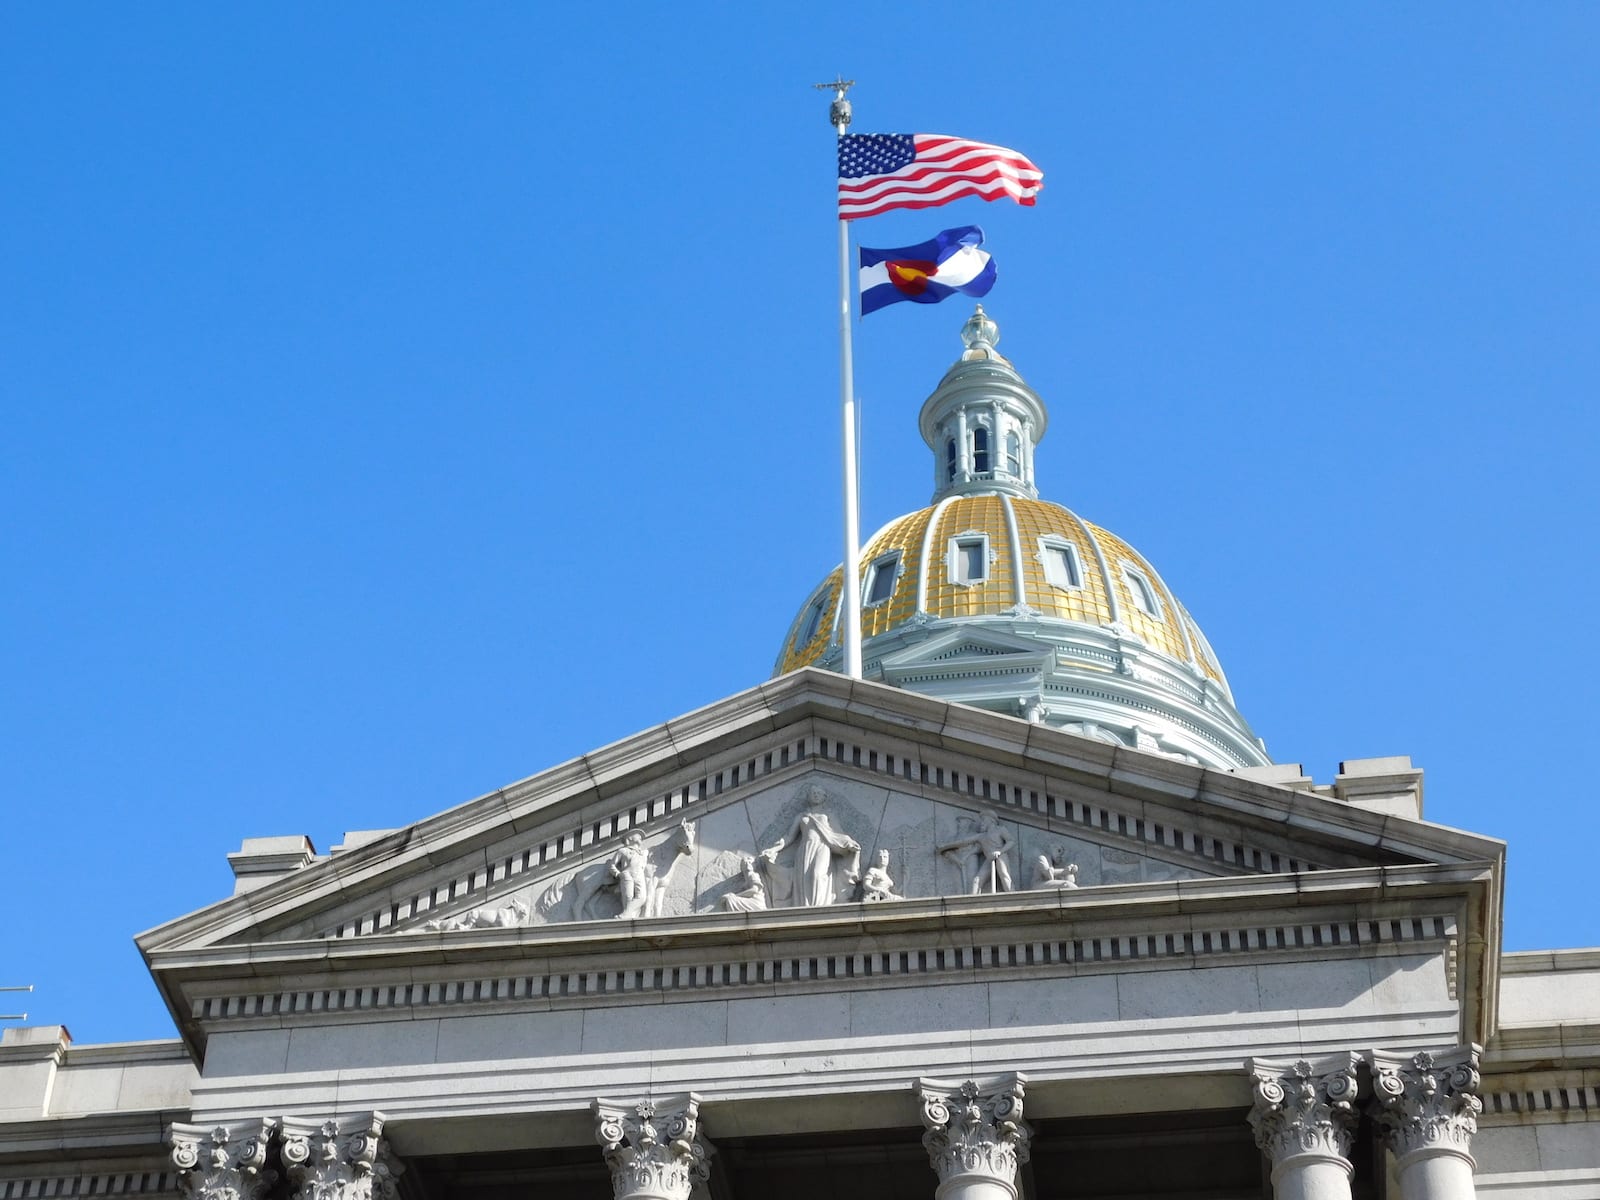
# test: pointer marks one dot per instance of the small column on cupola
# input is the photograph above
(982, 421)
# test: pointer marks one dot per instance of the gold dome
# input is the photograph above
(1043, 561)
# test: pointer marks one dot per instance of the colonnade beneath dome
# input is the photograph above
(1315, 1130)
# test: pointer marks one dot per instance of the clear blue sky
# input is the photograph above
(400, 399)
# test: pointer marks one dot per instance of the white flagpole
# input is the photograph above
(850, 613)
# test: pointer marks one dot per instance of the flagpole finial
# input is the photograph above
(839, 110)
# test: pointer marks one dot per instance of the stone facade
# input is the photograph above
(1257, 987)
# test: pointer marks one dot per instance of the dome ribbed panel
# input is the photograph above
(795, 657)
(1159, 633)
(1038, 519)
(1207, 656)
(904, 535)
(946, 597)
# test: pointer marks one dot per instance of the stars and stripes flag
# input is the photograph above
(880, 171)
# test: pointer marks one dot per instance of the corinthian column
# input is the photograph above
(976, 1137)
(223, 1162)
(1427, 1106)
(1304, 1117)
(653, 1147)
(343, 1159)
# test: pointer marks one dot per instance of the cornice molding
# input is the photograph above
(771, 711)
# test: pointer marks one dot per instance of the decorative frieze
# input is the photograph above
(653, 1147)
(975, 1135)
(343, 1159)
(224, 1162)
(1304, 1115)
(1427, 1103)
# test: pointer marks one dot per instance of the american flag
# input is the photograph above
(880, 171)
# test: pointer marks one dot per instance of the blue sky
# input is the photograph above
(401, 399)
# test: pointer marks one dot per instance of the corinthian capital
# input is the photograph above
(653, 1147)
(975, 1133)
(1304, 1108)
(343, 1159)
(1427, 1102)
(223, 1162)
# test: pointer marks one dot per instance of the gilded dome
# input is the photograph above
(993, 597)
(1041, 561)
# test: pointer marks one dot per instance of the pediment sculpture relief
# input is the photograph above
(632, 883)
(981, 850)
(804, 847)
(802, 868)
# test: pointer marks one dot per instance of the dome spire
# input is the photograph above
(982, 421)
(980, 335)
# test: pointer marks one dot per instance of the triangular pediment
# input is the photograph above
(953, 651)
(788, 792)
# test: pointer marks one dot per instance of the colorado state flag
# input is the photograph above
(928, 272)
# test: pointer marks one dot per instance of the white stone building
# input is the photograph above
(1027, 912)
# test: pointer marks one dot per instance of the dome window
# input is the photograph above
(1061, 566)
(950, 460)
(810, 622)
(1144, 596)
(880, 579)
(980, 451)
(1014, 455)
(968, 559)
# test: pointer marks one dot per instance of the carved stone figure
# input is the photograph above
(876, 884)
(814, 844)
(632, 874)
(629, 875)
(505, 916)
(752, 897)
(1049, 871)
(982, 854)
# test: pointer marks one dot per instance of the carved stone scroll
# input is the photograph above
(224, 1162)
(1427, 1106)
(1304, 1117)
(343, 1159)
(653, 1147)
(975, 1136)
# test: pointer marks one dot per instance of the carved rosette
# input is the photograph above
(975, 1131)
(1427, 1103)
(343, 1159)
(653, 1147)
(1304, 1108)
(224, 1162)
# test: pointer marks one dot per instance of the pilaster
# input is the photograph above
(653, 1147)
(1304, 1117)
(343, 1159)
(224, 1162)
(1427, 1106)
(975, 1135)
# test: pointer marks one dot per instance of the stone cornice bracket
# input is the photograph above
(975, 1135)
(224, 1162)
(1304, 1114)
(653, 1147)
(342, 1159)
(1427, 1104)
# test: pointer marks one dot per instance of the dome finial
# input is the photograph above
(980, 335)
